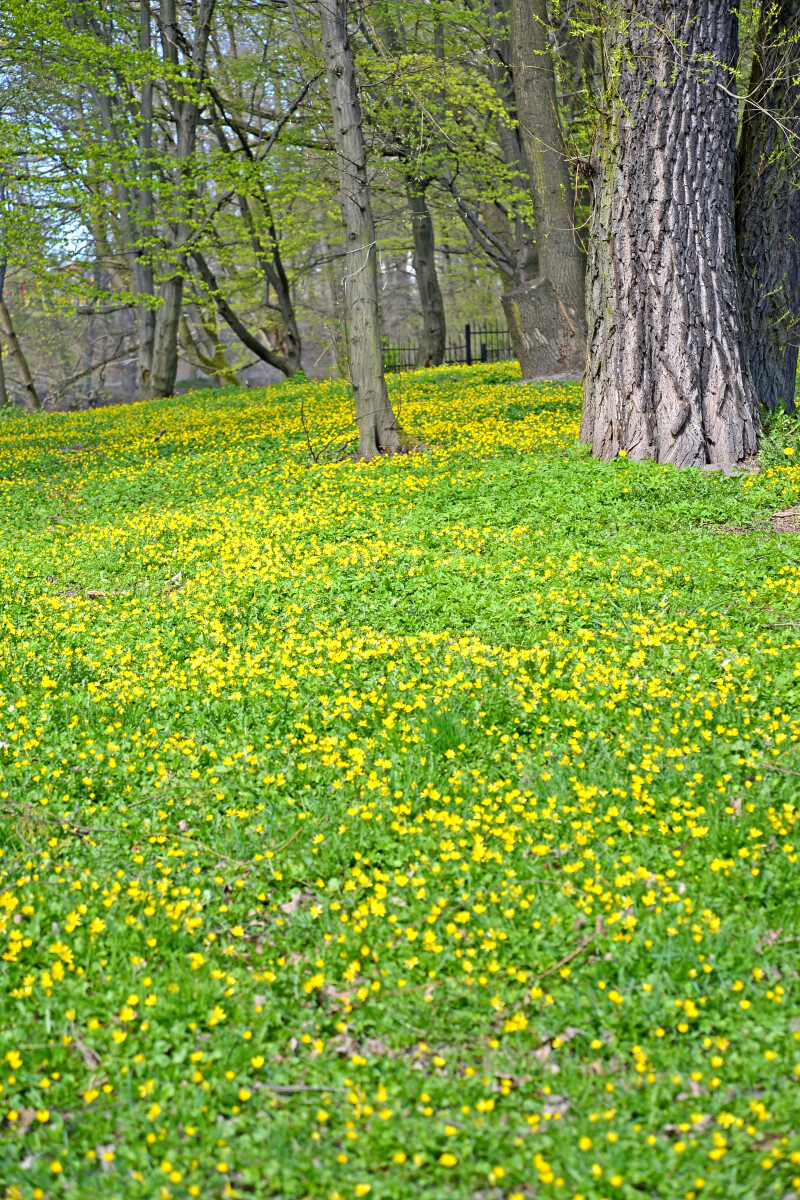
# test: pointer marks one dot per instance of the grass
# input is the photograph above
(419, 828)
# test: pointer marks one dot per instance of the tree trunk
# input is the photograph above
(238, 326)
(525, 253)
(142, 274)
(268, 256)
(768, 209)
(4, 400)
(271, 263)
(561, 259)
(214, 364)
(665, 377)
(135, 196)
(377, 425)
(434, 334)
(186, 113)
(164, 363)
(432, 345)
(32, 401)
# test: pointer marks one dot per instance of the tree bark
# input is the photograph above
(164, 363)
(185, 103)
(135, 196)
(561, 259)
(4, 400)
(142, 275)
(434, 332)
(525, 251)
(378, 429)
(768, 209)
(31, 396)
(665, 375)
(432, 345)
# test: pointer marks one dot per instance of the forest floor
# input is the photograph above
(426, 827)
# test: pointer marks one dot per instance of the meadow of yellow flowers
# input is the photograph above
(426, 827)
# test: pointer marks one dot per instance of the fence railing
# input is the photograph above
(481, 343)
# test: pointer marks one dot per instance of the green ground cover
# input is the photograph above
(419, 828)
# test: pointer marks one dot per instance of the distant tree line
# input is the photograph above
(169, 172)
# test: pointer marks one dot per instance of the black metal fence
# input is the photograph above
(481, 343)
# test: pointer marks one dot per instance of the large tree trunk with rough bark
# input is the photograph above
(768, 209)
(434, 333)
(562, 262)
(665, 375)
(378, 429)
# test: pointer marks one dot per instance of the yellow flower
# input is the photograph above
(447, 1159)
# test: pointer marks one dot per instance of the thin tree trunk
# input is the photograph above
(271, 264)
(186, 112)
(269, 259)
(215, 364)
(665, 377)
(136, 212)
(434, 334)
(378, 428)
(4, 400)
(32, 401)
(768, 209)
(561, 259)
(143, 280)
(234, 322)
